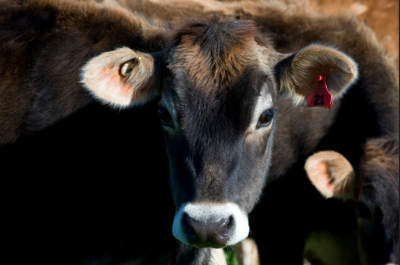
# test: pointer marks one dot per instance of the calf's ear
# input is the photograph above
(297, 73)
(122, 78)
(332, 174)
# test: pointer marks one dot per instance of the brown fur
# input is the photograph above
(177, 11)
(382, 16)
(381, 154)
(215, 65)
(378, 184)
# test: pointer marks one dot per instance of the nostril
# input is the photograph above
(223, 224)
(223, 228)
(230, 222)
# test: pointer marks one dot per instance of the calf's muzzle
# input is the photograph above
(214, 225)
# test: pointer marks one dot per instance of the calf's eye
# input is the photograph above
(265, 118)
(164, 116)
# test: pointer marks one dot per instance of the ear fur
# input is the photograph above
(332, 174)
(102, 77)
(298, 72)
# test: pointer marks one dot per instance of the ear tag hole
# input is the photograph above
(321, 96)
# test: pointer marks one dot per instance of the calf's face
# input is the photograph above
(220, 94)
(375, 190)
(219, 82)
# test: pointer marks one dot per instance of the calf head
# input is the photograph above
(375, 190)
(218, 82)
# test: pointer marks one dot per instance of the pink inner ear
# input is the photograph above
(322, 178)
(115, 81)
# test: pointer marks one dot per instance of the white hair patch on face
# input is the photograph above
(210, 213)
(264, 102)
(297, 99)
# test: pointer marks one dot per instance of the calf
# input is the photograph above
(374, 189)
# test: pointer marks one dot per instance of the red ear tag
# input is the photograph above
(321, 96)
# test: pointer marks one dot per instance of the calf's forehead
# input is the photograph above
(216, 72)
(223, 111)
